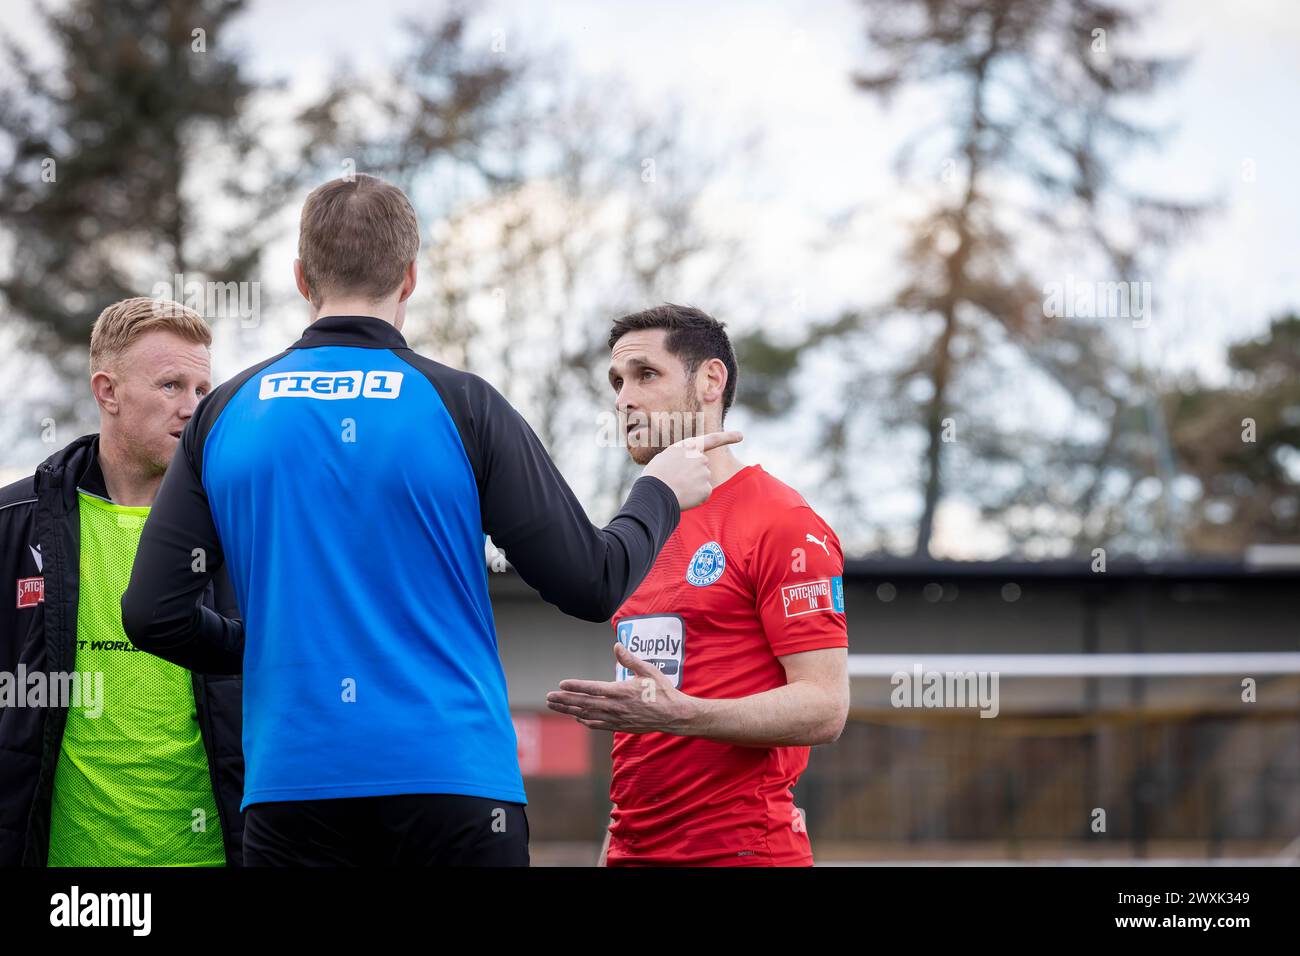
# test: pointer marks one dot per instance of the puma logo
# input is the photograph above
(822, 542)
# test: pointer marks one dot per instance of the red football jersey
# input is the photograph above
(750, 575)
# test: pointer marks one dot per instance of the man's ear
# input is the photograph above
(408, 283)
(104, 388)
(712, 381)
(300, 280)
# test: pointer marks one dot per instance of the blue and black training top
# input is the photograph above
(346, 484)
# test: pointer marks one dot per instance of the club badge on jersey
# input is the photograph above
(658, 639)
(706, 566)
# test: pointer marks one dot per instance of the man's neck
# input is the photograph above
(384, 311)
(126, 483)
(722, 465)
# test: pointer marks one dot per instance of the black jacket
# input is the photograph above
(40, 538)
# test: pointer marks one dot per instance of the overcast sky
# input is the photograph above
(783, 67)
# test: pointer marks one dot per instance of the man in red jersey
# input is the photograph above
(731, 658)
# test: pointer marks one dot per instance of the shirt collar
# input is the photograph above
(358, 331)
(92, 479)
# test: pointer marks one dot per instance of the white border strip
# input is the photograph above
(1078, 665)
(1075, 862)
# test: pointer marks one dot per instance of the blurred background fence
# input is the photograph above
(1184, 766)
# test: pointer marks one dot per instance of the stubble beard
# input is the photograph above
(688, 412)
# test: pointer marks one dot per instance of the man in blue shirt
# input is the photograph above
(346, 484)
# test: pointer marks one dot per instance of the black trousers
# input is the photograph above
(410, 829)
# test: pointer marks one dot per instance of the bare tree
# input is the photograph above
(605, 219)
(1022, 166)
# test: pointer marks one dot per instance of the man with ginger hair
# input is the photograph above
(141, 765)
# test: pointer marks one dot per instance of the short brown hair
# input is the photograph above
(694, 336)
(123, 322)
(357, 234)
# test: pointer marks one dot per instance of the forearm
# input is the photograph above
(798, 714)
(205, 642)
(535, 518)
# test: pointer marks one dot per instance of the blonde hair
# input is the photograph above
(123, 322)
(357, 235)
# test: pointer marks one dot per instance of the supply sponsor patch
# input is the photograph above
(658, 639)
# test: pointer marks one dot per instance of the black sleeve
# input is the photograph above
(533, 515)
(223, 595)
(17, 526)
(178, 555)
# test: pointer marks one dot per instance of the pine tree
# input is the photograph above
(115, 160)
(1025, 161)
